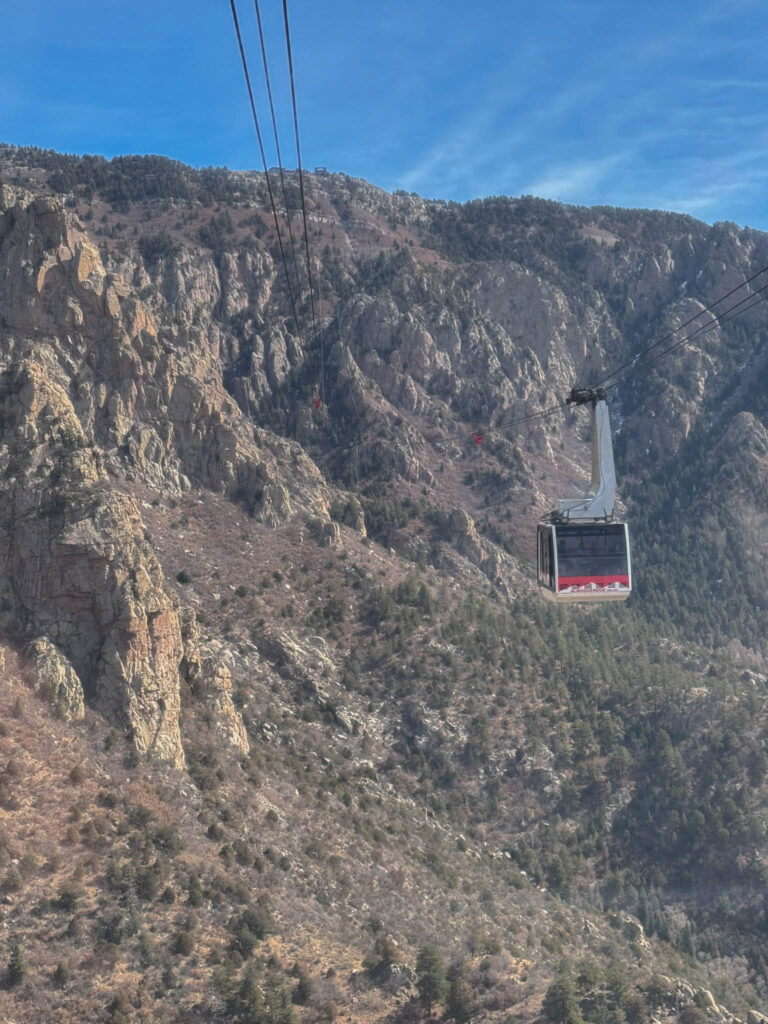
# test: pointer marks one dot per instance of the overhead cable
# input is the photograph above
(675, 330)
(752, 300)
(277, 145)
(266, 169)
(303, 199)
(635, 365)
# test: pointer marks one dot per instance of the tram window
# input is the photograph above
(591, 550)
(543, 559)
(550, 560)
(541, 566)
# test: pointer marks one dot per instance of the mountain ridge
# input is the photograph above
(356, 671)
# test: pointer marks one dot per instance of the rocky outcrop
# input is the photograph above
(204, 668)
(148, 390)
(306, 660)
(217, 682)
(325, 532)
(56, 679)
(78, 570)
(95, 383)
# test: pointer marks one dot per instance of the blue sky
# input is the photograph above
(621, 102)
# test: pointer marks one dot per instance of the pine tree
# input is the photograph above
(17, 967)
(461, 1003)
(431, 982)
(561, 1006)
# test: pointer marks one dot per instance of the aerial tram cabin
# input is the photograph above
(582, 551)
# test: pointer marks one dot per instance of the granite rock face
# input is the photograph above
(92, 387)
(78, 570)
(55, 677)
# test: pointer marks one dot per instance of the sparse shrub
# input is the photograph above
(89, 834)
(215, 832)
(53, 864)
(146, 883)
(169, 978)
(184, 943)
(13, 881)
(204, 768)
(119, 1008)
(77, 775)
(242, 852)
(183, 577)
(114, 874)
(167, 839)
(140, 816)
(249, 928)
(147, 948)
(44, 906)
(8, 799)
(194, 891)
(315, 849)
(692, 1014)
(62, 975)
(385, 952)
(68, 898)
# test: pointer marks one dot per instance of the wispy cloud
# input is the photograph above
(569, 183)
(749, 84)
(491, 143)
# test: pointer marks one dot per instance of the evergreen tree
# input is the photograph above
(17, 967)
(561, 1005)
(461, 1003)
(432, 982)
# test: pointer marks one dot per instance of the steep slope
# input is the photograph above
(323, 613)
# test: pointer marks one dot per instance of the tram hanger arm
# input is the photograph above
(599, 501)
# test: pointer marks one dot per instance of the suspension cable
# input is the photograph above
(634, 366)
(266, 169)
(303, 200)
(674, 331)
(277, 146)
(752, 300)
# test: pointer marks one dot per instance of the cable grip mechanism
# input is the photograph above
(585, 396)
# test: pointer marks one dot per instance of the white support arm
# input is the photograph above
(599, 502)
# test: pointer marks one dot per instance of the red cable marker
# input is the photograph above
(478, 438)
(316, 402)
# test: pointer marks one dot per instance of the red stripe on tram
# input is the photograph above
(582, 581)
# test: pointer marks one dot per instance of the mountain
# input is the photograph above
(282, 707)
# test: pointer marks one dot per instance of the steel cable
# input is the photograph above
(277, 145)
(266, 169)
(303, 199)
